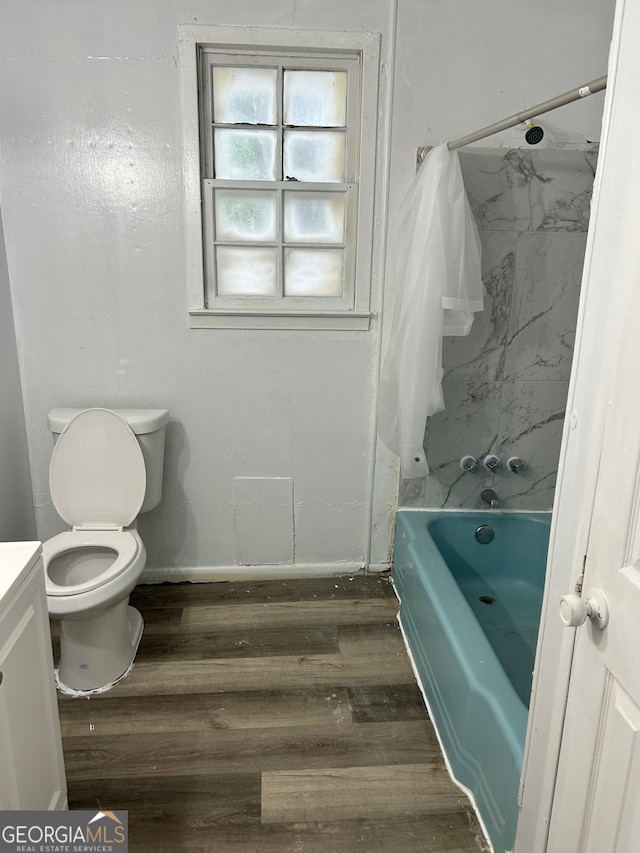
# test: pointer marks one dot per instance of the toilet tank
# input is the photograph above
(149, 426)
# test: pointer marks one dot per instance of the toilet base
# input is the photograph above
(97, 653)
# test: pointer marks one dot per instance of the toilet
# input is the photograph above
(106, 468)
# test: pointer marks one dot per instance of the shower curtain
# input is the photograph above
(438, 287)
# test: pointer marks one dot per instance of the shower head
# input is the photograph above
(534, 133)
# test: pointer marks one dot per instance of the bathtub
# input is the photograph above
(470, 614)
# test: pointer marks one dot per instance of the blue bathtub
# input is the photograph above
(470, 614)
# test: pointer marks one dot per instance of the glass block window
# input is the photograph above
(286, 176)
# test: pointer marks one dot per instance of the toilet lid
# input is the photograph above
(97, 475)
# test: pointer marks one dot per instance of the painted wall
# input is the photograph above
(17, 520)
(505, 385)
(92, 177)
(91, 183)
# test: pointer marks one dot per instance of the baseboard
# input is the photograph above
(206, 574)
(376, 568)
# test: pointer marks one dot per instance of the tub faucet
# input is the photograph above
(489, 498)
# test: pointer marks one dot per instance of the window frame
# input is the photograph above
(311, 49)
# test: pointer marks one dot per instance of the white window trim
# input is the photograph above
(368, 47)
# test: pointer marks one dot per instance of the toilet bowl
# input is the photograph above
(98, 483)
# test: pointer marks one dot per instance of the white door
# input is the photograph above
(596, 804)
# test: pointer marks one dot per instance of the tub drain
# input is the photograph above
(485, 534)
(487, 599)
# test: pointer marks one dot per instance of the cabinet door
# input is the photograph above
(32, 774)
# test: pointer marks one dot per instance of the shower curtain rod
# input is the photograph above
(546, 106)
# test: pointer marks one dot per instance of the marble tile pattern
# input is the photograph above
(544, 306)
(471, 418)
(505, 385)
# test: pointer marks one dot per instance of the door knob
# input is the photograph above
(575, 610)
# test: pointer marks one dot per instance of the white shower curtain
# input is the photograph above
(438, 287)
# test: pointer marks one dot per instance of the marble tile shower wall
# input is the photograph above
(505, 385)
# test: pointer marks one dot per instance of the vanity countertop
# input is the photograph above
(16, 560)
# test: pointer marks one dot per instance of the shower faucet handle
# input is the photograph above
(516, 465)
(492, 463)
(469, 464)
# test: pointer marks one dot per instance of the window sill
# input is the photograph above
(337, 320)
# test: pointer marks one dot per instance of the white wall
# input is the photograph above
(92, 188)
(91, 183)
(16, 507)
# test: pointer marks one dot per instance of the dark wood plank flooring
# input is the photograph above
(268, 716)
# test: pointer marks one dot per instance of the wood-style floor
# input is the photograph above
(268, 716)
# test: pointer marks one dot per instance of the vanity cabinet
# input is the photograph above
(32, 775)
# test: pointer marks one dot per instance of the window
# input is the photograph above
(280, 157)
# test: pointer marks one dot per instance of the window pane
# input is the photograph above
(315, 98)
(246, 272)
(245, 155)
(314, 217)
(314, 155)
(245, 215)
(244, 95)
(313, 272)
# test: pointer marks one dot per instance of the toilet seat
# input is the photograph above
(97, 475)
(123, 542)
(97, 480)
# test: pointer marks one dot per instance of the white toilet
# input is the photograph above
(105, 469)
